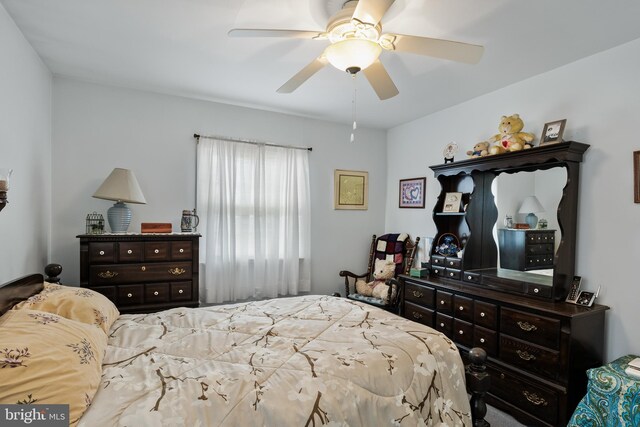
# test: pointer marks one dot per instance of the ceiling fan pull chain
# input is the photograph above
(353, 108)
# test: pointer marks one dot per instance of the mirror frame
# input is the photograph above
(481, 251)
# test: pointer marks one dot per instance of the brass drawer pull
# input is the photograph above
(177, 271)
(107, 274)
(535, 399)
(524, 355)
(526, 326)
(181, 250)
(418, 294)
(155, 293)
(417, 315)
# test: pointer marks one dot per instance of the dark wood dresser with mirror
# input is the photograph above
(490, 295)
(142, 272)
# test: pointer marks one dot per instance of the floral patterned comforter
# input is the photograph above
(301, 361)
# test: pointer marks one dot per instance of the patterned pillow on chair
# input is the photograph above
(391, 246)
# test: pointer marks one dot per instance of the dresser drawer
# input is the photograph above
(470, 277)
(419, 294)
(444, 302)
(539, 249)
(181, 250)
(485, 314)
(487, 339)
(418, 314)
(453, 263)
(130, 251)
(463, 308)
(437, 261)
(101, 252)
(541, 260)
(451, 273)
(137, 273)
(437, 270)
(444, 324)
(156, 251)
(530, 327)
(529, 356)
(462, 333)
(108, 291)
(540, 237)
(130, 294)
(180, 291)
(156, 292)
(534, 398)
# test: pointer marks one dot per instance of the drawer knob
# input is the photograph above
(450, 262)
(181, 250)
(451, 274)
(482, 340)
(469, 277)
(482, 314)
(417, 315)
(536, 290)
(502, 375)
(525, 355)
(461, 332)
(526, 326)
(442, 324)
(461, 308)
(107, 274)
(417, 294)
(143, 268)
(180, 291)
(155, 293)
(156, 251)
(534, 398)
(101, 252)
(129, 251)
(129, 295)
(177, 271)
(436, 271)
(441, 302)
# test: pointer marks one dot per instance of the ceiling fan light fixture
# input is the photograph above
(353, 53)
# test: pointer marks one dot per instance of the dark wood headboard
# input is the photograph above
(18, 290)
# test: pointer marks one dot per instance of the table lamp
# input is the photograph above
(531, 205)
(122, 186)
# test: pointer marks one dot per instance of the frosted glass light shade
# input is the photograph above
(353, 53)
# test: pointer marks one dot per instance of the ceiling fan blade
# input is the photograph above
(303, 75)
(380, 80)
(294, 34)
(445, 49)
(371, 11)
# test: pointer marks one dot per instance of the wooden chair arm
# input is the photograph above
(349, 275)
(346, 273)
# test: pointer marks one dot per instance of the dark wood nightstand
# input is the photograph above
(142, 273)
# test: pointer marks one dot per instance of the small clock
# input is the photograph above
(450, 151)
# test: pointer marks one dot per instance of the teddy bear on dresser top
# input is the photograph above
(510, 138)
(481, 149)
(383, 269)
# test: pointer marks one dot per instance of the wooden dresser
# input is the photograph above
(142, 272)
(538, 351)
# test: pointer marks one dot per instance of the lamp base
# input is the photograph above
(532, 220)
(119, 216)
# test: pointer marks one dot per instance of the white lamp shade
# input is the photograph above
(121, 185)
(348, 53)
(531, 205)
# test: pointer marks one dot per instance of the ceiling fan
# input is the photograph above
(356, 38)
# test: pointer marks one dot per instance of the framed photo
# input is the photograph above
(552, 132)
(452, 202)
(636, 176)
(351, 190)
(412, 192)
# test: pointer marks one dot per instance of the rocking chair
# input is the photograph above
(396, 247)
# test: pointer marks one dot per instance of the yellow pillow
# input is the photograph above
(80, 304)
(47, 359)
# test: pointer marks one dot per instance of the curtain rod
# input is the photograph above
(250, 141)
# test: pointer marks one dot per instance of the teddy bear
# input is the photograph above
(481, 149)
(383, 269)
(510, 138)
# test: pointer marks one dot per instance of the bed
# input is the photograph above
(309, 361)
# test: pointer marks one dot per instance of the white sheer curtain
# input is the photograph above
(254, 208)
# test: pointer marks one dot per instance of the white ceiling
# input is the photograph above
(181, 47)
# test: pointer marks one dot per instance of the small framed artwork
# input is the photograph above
(552, 132)
(636, 176)
(586, 298)
(452, 202)
(412, 193)
(351, 190)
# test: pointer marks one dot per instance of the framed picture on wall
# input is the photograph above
(552, 132)
(412, 192)
(636, 176)
(351, 190)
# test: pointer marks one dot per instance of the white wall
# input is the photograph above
(97, 128)
(599, 97)
(25, 147)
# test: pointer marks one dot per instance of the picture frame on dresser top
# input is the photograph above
(142, 273)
